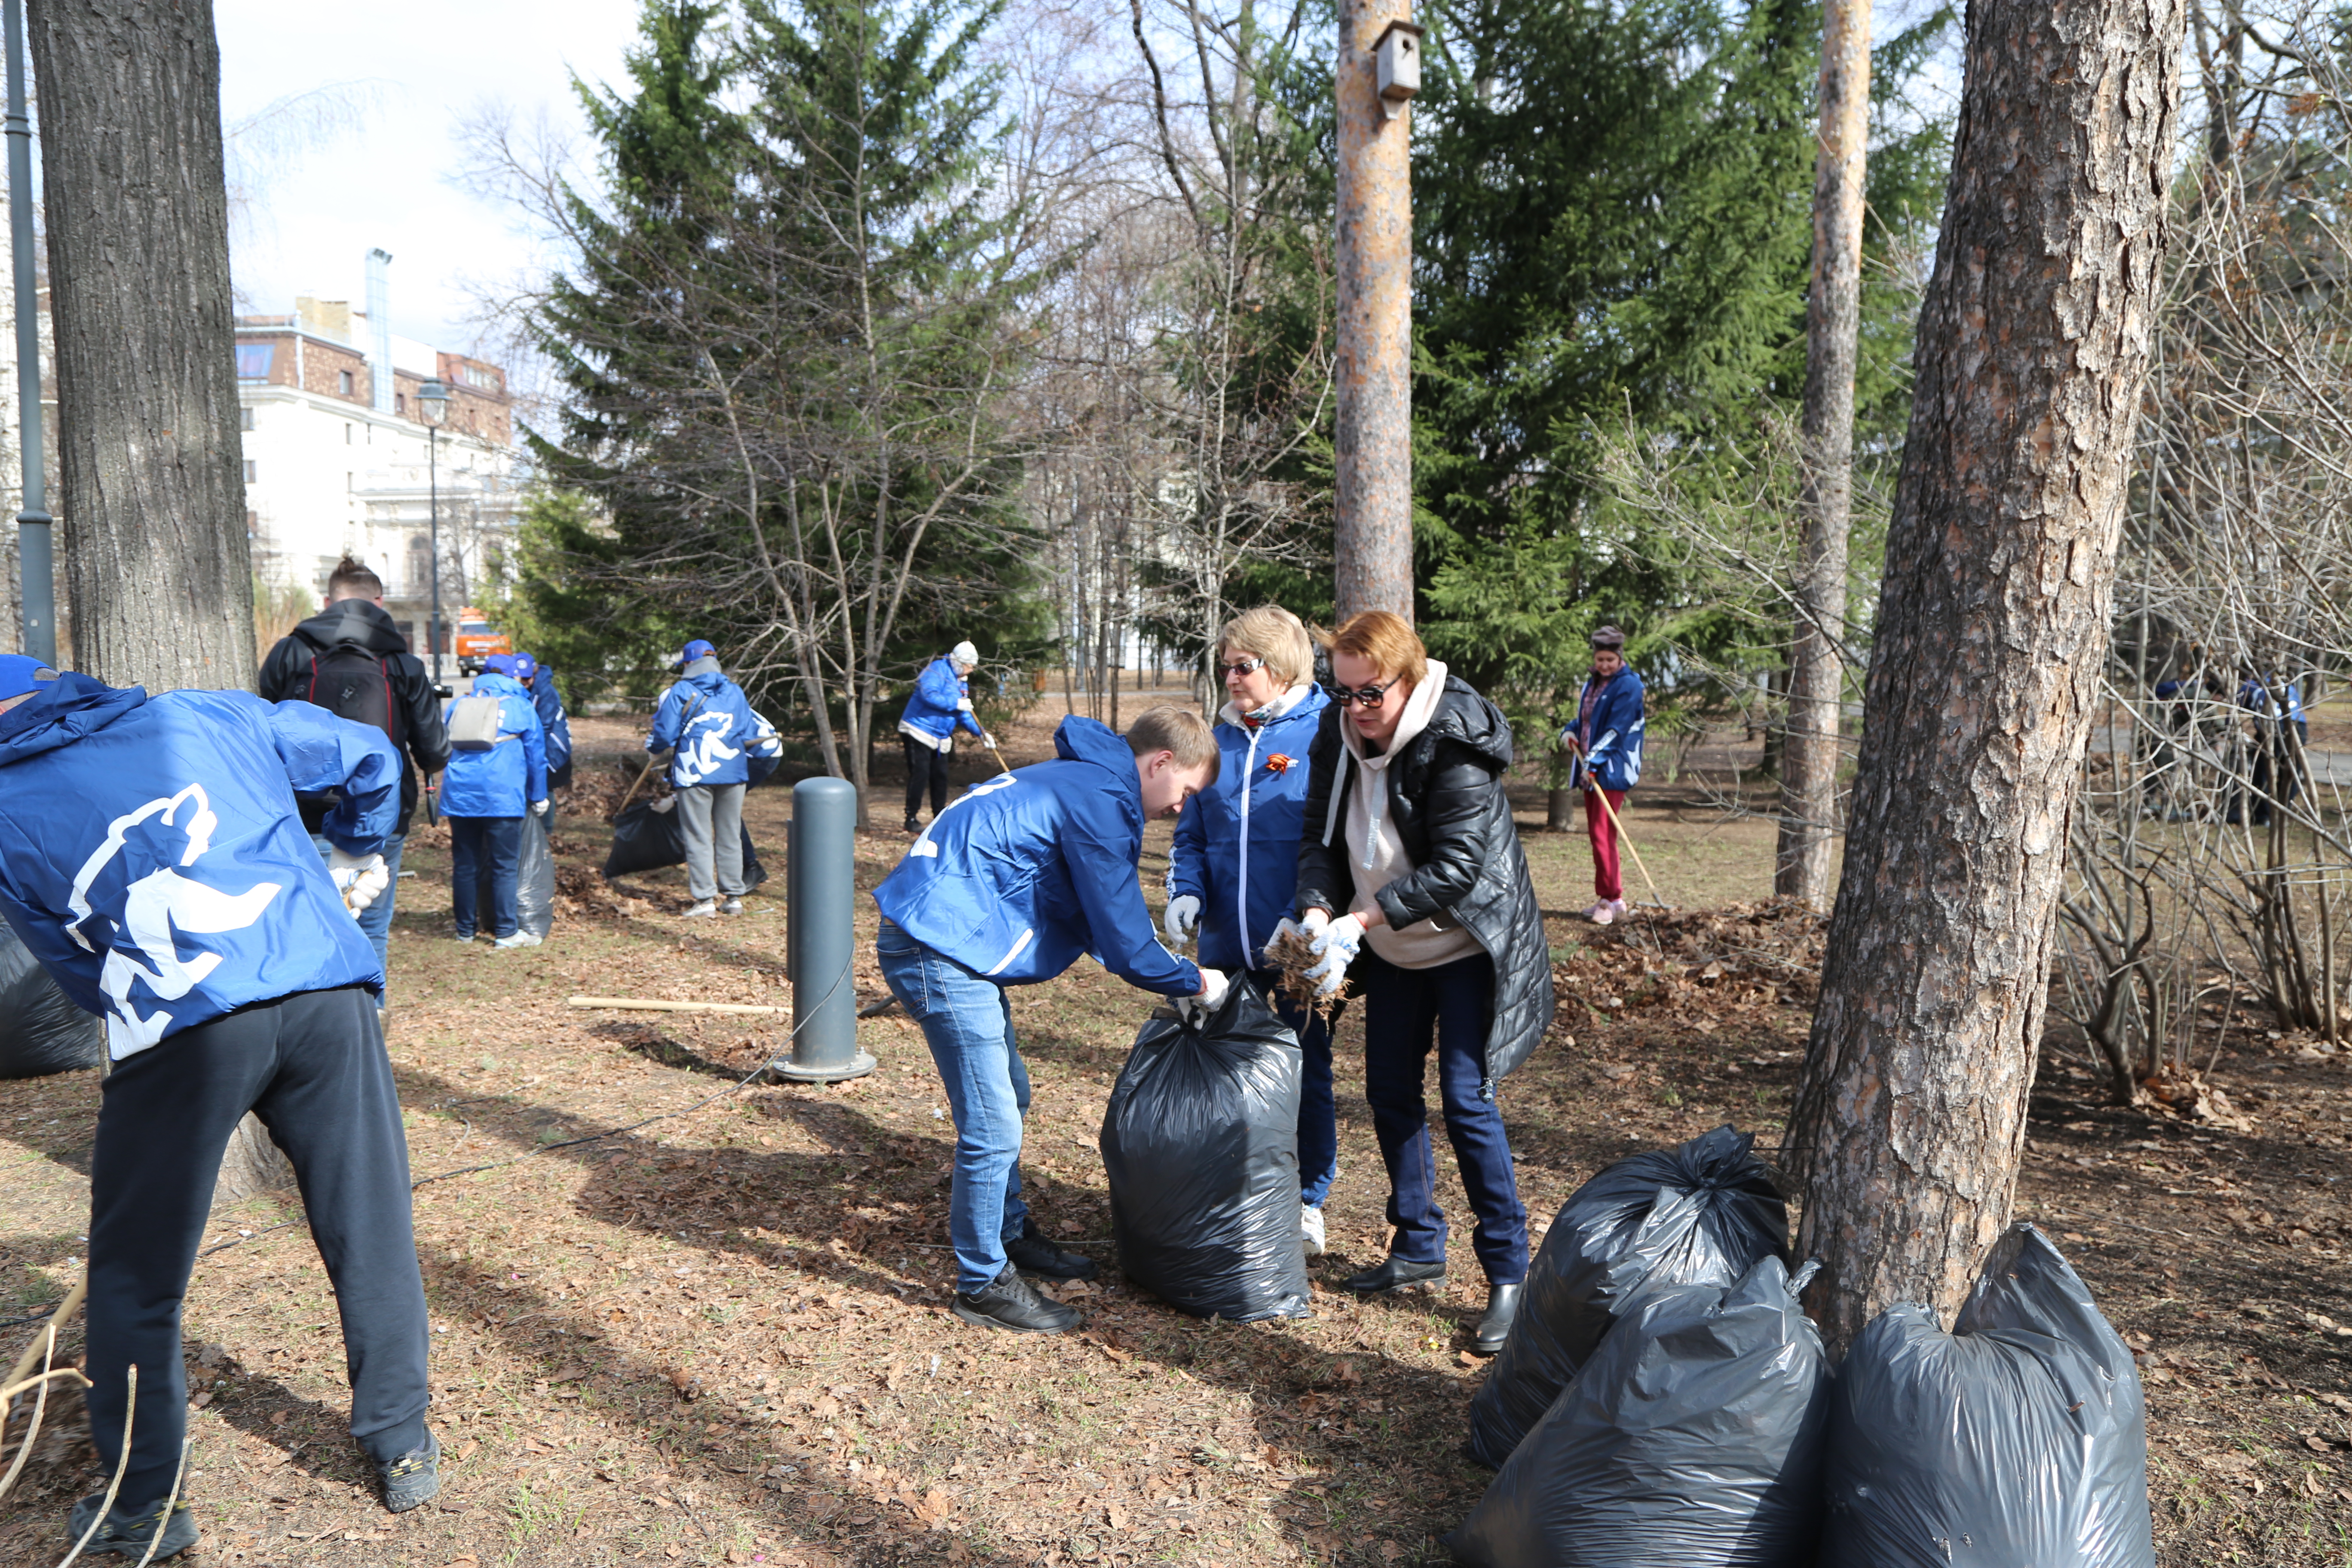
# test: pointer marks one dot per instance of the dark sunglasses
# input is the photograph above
(1370, 695)
(1227, 671)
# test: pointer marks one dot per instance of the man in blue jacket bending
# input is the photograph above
(708, 725)
(152, 857)
(939, 706)
(1008, 885)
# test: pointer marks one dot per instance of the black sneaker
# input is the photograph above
(130, 1534)
(1395, 1274)
(1032, 1253)
(414, 1478)
(1012, 1303)
(913, 826)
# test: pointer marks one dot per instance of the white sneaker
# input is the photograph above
(732, 907)
(520, 939)
(707, 909)
(1604, 913)
(1310, 1229)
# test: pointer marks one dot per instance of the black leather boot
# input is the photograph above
(1495, 1326)
(1012, 1303)
(1034, 1253)
(1395, 1274)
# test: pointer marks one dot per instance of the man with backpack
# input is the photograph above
(497, 770)
(708, 725)
(351, 661)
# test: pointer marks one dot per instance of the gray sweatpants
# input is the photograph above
(712, 818)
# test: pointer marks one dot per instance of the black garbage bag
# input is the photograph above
(1699, 1215)
(647, 837)
(534, 881)
(41, 1031)
(2019, 1438)
(1201, 1144)
(1691, 1439)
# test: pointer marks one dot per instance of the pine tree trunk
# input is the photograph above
(157, 568)
(1809, 758)
(1991, 632)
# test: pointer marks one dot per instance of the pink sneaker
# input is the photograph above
(1620, 908)
(1604, 912)
(1598, 913)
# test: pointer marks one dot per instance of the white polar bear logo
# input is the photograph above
(156, 909)
(705, 748)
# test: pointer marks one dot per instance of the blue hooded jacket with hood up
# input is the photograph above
(504, 780)
(1612, 754)
(941, 701)
(554, 725)
(1019, 876)
(1238, 840)
(152, 857)
(710, 722)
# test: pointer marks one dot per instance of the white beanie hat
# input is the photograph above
(964, 654)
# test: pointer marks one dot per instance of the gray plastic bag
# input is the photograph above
(41, 1032)
(1692, 1438)
(534, 881)
(1703, 1214)
(1200, 1142)
(2020, 1438)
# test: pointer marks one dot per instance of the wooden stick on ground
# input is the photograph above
(633, 1004)
(57, 1319)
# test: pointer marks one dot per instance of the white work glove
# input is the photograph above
(963, 704)
(1182, 916)
(539, 808)
(1281, 927)
(359, 878)
(1335, 946)
(1213, 986)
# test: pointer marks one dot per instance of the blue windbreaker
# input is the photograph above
(504, 780)
(554, 725)
(1613, 752)
(152, 859)
(1236, 846)
(941, 701)
(1022, 874)
(707, 717)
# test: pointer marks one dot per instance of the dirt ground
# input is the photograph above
(715, 1331)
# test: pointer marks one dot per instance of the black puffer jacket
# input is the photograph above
(1447, 804)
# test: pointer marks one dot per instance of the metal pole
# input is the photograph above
(1372, 543)
(433, 493)
(820, 892)
(33, 546)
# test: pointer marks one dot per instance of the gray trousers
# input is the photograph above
(711, 818)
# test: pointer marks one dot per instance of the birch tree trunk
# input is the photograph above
(1809, 758)
(1992, 629)
(157, 567)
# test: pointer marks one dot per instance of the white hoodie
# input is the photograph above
(1376, 854)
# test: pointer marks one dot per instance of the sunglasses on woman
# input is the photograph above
(1236, 671)
(1369, 696)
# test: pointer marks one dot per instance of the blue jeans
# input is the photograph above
(1318, 1119)
(968, 1023)
(376, 921)
(1402, 1008)
(479, 843)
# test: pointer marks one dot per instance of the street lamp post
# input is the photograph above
(431, 408)
(40, 590)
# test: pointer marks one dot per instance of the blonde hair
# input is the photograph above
(1276, 635)
(1181, 731)
(1388, 640)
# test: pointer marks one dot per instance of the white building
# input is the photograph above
(337, 461)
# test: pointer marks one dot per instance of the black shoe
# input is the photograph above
(1495, 1327)
(1395, 1274)
(1032, 1253)
(130, 1534)
(414, 1478)
(912, 825)
(1012, 1303)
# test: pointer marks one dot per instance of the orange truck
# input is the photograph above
(476, 640)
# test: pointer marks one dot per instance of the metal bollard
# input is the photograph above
(820, 889)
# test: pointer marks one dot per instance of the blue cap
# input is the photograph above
(21, 675)
(696, 650)
(499, 664)
(525, 667)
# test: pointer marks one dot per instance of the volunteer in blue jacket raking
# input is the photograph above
(1234, 867)
(1016, 879)
(483, 794)
(1607, 741)
(940, 705)
(153, 859)
(707, 724)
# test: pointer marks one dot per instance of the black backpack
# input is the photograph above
(351, 683)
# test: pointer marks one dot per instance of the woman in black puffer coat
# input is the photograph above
(1408, 833)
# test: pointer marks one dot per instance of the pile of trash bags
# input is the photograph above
(647, 837)
(1200, 1142)
(41, 1031)
(1693, 1421)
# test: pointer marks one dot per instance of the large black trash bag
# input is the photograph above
(646, 839)
(534, 881)
(1691, 1439)
(41, 1031)
(1201, 1144)
(2017, 1441)
(1699, 1215)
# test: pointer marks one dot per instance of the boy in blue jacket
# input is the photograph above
(708, 725)
(940, 705)
(1607, 741)
(1008, 885)
(154, 858)
(484, 794)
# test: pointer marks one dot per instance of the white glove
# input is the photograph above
(1335, 946)
(1182, 915)
(358, 877)
(539, 808)
(1314, 920)
(963, 704)
(1213, 986)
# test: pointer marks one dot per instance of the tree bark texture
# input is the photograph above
(1992, 629)
(1372, 430)
(1809, 759)
(158, 571)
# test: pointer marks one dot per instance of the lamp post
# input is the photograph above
(431, 408)
(33, 522)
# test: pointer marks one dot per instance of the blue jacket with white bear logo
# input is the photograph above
(154, 860)
(504, 780)
(710, 722)
(1613, 753)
